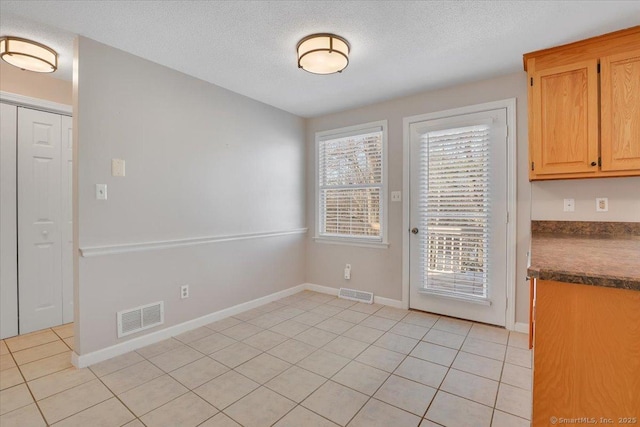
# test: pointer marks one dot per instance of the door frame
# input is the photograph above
(35, 103)
(510, 106)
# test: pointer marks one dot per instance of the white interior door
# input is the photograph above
(8, 232)
(66, 154)
(458, 216)
(39, 220)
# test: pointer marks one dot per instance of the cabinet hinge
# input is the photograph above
(532, 166)
(531, 81)
(599, 161)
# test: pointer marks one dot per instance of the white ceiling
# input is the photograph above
(398, 47)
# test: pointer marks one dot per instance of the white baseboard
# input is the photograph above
(84, 360)
(322, 289)
(522, 327)
(334, 291)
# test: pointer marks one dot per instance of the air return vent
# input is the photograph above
(353, 295)
(140, 318)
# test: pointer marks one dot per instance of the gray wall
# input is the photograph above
(200, 161)
(623, 194)
(380, 270)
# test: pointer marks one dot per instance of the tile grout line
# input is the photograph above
(26, 383)
(306, 311)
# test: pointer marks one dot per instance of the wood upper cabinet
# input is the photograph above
(584, 108)
(620, 111)
(566, 128)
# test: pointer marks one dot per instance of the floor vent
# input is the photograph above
(140, 318)
(353, 295)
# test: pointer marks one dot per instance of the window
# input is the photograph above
(455, 206)
(351, 190)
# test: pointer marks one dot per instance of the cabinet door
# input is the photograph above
(586, 348)
(620, 114)
(565, 119)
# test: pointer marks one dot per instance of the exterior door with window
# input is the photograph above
(458, 216)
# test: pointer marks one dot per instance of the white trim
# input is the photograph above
(377, 126)
(512, 212)
(82, 361)
(85, 360)
(322, 289)
(510, 105)
(334, 291)
(164, 244)
(520, 327)
(348, 242)
(35, 103)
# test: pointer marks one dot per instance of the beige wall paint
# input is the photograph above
(623, 194)
(380, 270)
(35, 85)
(200, 161)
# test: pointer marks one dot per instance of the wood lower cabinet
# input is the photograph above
(586, 353)
(584, 108)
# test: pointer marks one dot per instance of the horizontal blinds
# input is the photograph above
(454, 208)
(350, 184)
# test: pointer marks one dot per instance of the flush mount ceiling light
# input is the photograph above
(28, 55)
(323, 54)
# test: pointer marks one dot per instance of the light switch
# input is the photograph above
(101, 191)
(117, 167)
(396, 196)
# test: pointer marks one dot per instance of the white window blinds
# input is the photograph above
(350, 185)
(454, 210)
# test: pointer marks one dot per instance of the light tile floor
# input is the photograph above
(305, 360)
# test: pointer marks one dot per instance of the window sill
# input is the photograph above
(347, 242)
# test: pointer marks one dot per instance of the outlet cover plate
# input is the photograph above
(569, 205)
(602, 204)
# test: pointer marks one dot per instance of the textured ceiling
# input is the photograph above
(398, 47)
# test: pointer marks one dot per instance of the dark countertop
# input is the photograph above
(611, 260)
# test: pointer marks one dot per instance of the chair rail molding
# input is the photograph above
(92, 251)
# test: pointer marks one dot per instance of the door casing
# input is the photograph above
(510, 105)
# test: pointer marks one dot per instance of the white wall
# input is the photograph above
(200, 161)
(623, 194)
(380, 270)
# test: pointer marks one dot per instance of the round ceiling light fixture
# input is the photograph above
(323, 53)
(28, 55)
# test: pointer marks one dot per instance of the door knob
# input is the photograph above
(414, 230)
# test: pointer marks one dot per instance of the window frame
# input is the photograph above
(361, 129)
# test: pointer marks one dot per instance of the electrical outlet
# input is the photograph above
(602, 204)
(569, 205)
(347, 272)
(184, 291)
(396, 196)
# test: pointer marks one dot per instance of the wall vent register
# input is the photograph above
(140, 318)
(354, 295)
